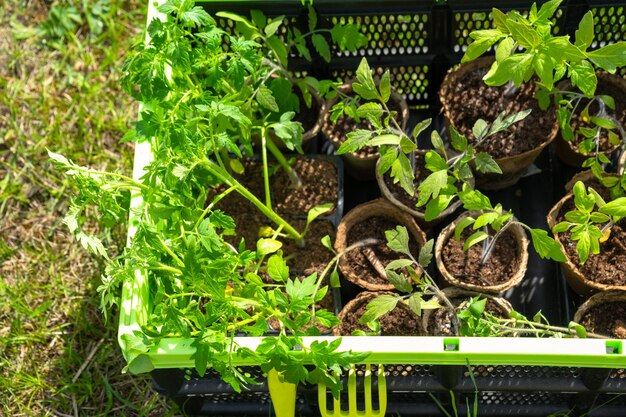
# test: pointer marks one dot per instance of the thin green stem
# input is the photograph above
(171, 253)
(296, 182)
(266, 175)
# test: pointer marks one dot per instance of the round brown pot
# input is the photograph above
(359, 166)
(512, 166)
(580, 283)
(598, 300)
(362, 212)
(448, 233)
(568, 151)
(452, 293)
(412, 210)
(410, 320)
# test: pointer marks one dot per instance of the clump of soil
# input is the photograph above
(471, 99)
(465, 265)
(374, 227)
(608, 319)
(609, 266)
(345, 124)
(440, 320)
(399, 322)
(319, 186)
(619, 113)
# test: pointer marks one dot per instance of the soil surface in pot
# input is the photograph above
(466, 266)
(345, 124)
(609, 266)
(401, 321)
(440, 321)
(319, 186)
(608, 319)
(471, 99)
(312, 258)
(619, 113)
(234, 203)
(374, 227)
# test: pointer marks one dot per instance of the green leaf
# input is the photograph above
(524, 34)
(321, 46)
(334, 279)
(387, 139)
(279, 49)
(499, 19)
(474, 238)
(483, 40)
(459, 142)
(546, 247)
(514, 68)
(615, 208)
(436, 140)
(608, 101)
(317, 211)
(435, 162)
(277, 268)
(402, 171)
(378, 307)
(387, 158)
(266, 246)
(355, 141)
(505, 48)
(436, 206)
(366, 88)
(547, 9)
(474, 199)
(312, 19)
(485, 219)
(485, 163)
(273, 26)
(462, 225)
(415, 303)
(399, 263)
(603, 122)
(544, 68)
(426, 253)
(266, 99)
(398, 240)
(609, 57)
(385, 87)
(584, 34)
(432, 186)
(480, 129)
(60, 159)
(236, 18)
(421, 127)
(584, 77)
(580, 330)
(327, 243)
(399, 281)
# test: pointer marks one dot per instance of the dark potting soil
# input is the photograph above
(609, 266)
(466, 266)
(345, 124)
(608, 319)
(440, 321)
(319, 186)
(252, 179)
(619, 113)
(401, 321)
(374, 227)
(471, 99)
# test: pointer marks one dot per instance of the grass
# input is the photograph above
(60, 63)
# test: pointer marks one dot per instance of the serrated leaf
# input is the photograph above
(387, 139)
(421, 127)
(399, 263)
(312, 19)
(546, 247)
(378, 307)
(584, 33)
(399, 281)
(615, 208)
(483, 40)
(436, 140)
(327, 243)
(486, 164)
(355, 141)
(480, 129)
(462, 225)
(435, 162)
(436, 206)
(609, 57)
(474, 200)
(266, 99)
(474, 238)
(584, 77)
(603, 122)
(385, 87)
(273, 26)
(505, 48)
(485, 219)
(415, 303)
(524, 34)
(432, 186)
(426, 253)
(514, 68)
(321, 46)
(459, 142)
(398, 240)
(547, 10)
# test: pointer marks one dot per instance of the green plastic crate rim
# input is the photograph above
(177, 352)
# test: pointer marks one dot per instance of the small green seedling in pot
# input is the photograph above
(493, 222)
(526, 47)
(397, 149)
(591, 221)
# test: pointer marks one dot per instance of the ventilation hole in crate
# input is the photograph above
(389, 34)
(234, 398)
(609, 26)
(535, 372)
(518, 398)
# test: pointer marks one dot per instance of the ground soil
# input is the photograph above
(346, 124)
(466, 267)
(373, 227)
(607, 319)
(440, 321)
(471, 99)
(620, 114)
(320, 185)
(609, 266)
(399, 322)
